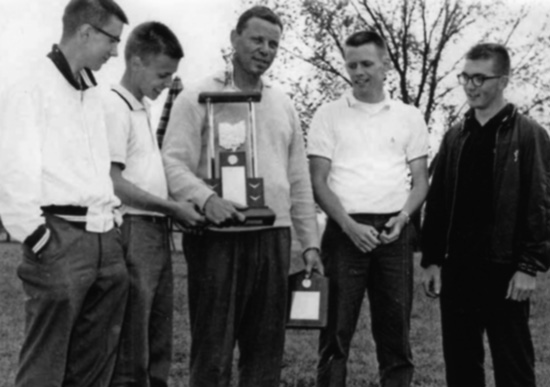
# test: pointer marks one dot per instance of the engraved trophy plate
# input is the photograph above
(232, 156)
(233, 176)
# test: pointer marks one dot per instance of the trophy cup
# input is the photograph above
(233, 165)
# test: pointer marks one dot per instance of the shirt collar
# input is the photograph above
(86, 78)
(354, 102)
(226, 78)
(128, 97)
(504, 116)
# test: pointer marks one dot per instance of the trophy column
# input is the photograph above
(233, 174)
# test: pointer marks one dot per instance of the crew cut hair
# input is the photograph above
(94, 12)
(365, 37)
(151, 39)
(495, 51)
(260, 12)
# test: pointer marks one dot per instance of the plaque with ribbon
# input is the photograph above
(308, 301)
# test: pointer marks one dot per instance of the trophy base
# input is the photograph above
(258, 216)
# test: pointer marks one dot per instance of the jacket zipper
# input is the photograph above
(454, 194)
(87, 134)
(495, 166)
(495, 153)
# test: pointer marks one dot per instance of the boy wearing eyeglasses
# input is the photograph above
(486, 231)
(57, 198)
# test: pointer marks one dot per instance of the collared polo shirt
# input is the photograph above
(369, 146)
(133, 144)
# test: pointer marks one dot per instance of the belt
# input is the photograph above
(72, 214)
(148, 218)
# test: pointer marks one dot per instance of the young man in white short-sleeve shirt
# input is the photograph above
(369, 172)
(152, 56)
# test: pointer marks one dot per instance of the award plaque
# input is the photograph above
(308, 301)
(232, 155)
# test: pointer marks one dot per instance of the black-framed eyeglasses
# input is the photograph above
(110, 36)
(477, 79)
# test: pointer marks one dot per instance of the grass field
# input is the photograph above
(300, 351)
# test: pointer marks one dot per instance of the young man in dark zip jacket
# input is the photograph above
(486, 232)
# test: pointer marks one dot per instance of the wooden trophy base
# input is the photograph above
(258, 216)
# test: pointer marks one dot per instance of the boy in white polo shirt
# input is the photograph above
(152, 56)
(361, 149)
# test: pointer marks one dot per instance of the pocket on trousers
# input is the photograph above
(47, 254)
(29, 255)
(63, 235)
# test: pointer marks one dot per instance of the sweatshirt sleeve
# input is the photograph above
(302, 212)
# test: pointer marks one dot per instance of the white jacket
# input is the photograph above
(53, 151)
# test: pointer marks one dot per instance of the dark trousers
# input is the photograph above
(238, 283)
(146, 340)
(386, 273)
(76, 293)
(472, 303)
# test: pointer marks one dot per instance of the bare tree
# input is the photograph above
(426, 42)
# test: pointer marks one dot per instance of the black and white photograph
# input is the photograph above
(275, 193)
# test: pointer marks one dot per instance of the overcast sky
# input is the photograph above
(28, 28)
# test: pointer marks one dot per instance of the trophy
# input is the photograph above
(232, 156)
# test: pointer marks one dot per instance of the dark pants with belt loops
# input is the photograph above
(386, 273)
(76, 293)
(146, 341)
(238, 283)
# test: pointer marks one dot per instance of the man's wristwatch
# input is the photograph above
(406, 215)
(308, 249)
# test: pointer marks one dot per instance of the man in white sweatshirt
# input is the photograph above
(238, 276)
